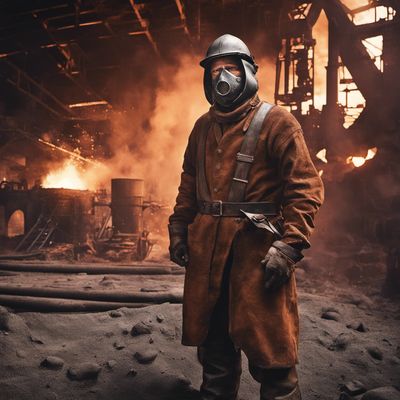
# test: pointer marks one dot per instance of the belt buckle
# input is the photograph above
(219, 202)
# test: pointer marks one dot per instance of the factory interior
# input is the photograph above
(98, 98)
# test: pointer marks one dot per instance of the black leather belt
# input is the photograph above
(232, 209)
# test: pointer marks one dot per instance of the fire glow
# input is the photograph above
(359, 161)
(321, 155)
(66, 177)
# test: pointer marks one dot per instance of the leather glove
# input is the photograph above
(279, 263)
(178, 249)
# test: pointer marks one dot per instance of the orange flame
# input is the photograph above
(67, 177)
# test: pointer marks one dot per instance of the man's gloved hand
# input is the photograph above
(178, 249)
(279, 263)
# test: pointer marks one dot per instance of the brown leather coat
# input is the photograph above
(263, 324)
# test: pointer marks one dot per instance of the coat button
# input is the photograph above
(218, 166)
(219, 151)
(216, 190)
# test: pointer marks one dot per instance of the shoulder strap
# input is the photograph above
(202, 190)
(245, 158)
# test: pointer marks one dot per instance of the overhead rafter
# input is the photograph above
(145, 26)
(69, 61)
(182, 15)
(36, 91)
(374, 28)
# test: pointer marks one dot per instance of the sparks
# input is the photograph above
(321, 155)
(359, 161)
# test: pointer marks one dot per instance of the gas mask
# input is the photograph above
(227, 90)
(226, 87)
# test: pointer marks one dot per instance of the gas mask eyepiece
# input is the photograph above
(226, 88)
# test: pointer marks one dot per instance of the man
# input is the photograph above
(243, 157)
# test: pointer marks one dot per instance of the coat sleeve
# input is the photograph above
(185, 208)
(302, 188)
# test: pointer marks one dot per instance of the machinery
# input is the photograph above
(86, 219)
(358, 200)
(126, 233)
(379, 85)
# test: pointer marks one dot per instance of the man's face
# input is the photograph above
(231, 64)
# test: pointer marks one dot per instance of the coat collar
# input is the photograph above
(237, 114)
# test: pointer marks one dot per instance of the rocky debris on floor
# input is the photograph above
(52, 362)
(375, 352)
(357, 326)
(84, 371)
(160, 318)
(169, 333)
(110, 364)
(141, 328)
(35, 339)
(382, 393)
(394, 360)
(115, 314)
(146, 356)
(175, 368)
(361, 301)
(331, 314)
(341, 342)
(353, 388)
(119, 345)
(132, 372)
(108, 281)
(4, 319)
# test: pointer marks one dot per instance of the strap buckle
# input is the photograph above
(219, 203)
(241, 180)
(247, 158)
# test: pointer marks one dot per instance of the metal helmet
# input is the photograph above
(233, 94)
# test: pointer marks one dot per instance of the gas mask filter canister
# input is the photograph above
(226, 88)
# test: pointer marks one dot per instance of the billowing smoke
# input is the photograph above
(150, 131)
(158, 148)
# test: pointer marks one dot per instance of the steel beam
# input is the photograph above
(375, 28)
(145, 26)
(182, 15)
(353, 53)
(37, 92)
(69, 60)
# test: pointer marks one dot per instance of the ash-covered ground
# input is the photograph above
(350, 342)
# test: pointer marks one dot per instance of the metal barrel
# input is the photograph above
(127, 205)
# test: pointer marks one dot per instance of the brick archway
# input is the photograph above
(16, 224)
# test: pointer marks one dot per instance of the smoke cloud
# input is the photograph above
(150, 134)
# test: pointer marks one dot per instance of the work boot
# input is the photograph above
(266, 394)
(222, 368)
(277, 383)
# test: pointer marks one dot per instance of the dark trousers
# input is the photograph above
(221, 361)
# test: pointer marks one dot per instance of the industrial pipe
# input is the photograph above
(97, 295)
(62, 305)
(22, 256)
(92, 270)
